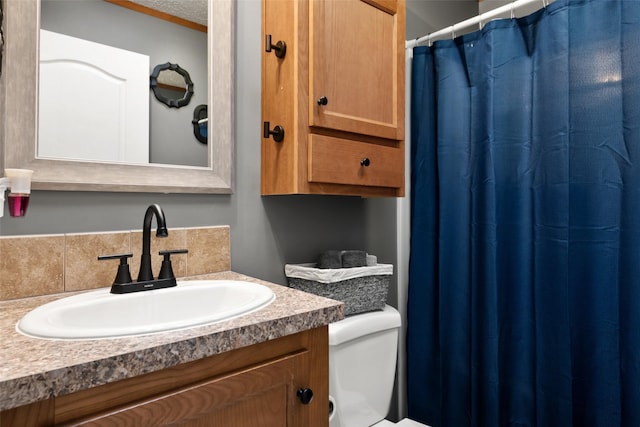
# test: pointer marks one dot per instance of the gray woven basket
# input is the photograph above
(359, 294)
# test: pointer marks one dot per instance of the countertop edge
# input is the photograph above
(276, 321)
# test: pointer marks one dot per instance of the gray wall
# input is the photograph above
(428, 16)
(487, 5)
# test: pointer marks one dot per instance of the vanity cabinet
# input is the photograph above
(266, 384)
(337, 92)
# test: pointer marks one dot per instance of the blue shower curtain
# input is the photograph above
(524, 294)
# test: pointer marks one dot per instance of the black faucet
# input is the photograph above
(145, 272)
(145, 282)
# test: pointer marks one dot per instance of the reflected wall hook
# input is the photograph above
(277, 132)
(200, 123)
(280, 47)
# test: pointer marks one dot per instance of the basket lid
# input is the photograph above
(332, 275)
(360, 325)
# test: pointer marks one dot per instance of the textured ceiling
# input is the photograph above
(191, 10)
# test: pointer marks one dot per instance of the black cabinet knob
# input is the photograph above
(365, 162)
(305, 395)
(323, 100)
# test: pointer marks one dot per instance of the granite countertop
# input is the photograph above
(35, 369)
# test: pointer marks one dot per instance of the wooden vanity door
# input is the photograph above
(260, 396)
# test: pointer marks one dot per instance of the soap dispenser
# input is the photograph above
(19, 183)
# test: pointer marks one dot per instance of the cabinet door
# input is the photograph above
(260, 396)
(356, 66)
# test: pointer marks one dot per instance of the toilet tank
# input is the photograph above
(362, 364)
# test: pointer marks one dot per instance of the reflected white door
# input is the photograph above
(93, 101)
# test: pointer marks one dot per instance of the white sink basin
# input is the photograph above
(101, 314)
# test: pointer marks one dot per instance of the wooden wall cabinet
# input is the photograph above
(253, 386)
(338, 93)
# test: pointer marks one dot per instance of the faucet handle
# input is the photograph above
(123, 276)
(166, 271)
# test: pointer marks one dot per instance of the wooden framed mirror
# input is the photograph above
(19, 87)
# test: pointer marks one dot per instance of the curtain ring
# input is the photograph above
(480, 25)
(453, 31)
(429, 41)
(513, 15)
(544, 4)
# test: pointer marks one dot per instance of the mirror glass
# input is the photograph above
(167, 168)
(103, 56)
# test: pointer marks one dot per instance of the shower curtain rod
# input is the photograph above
(479, 20)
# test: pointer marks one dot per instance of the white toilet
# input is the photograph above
(363, 349)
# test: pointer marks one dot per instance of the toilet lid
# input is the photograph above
(360, 325)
